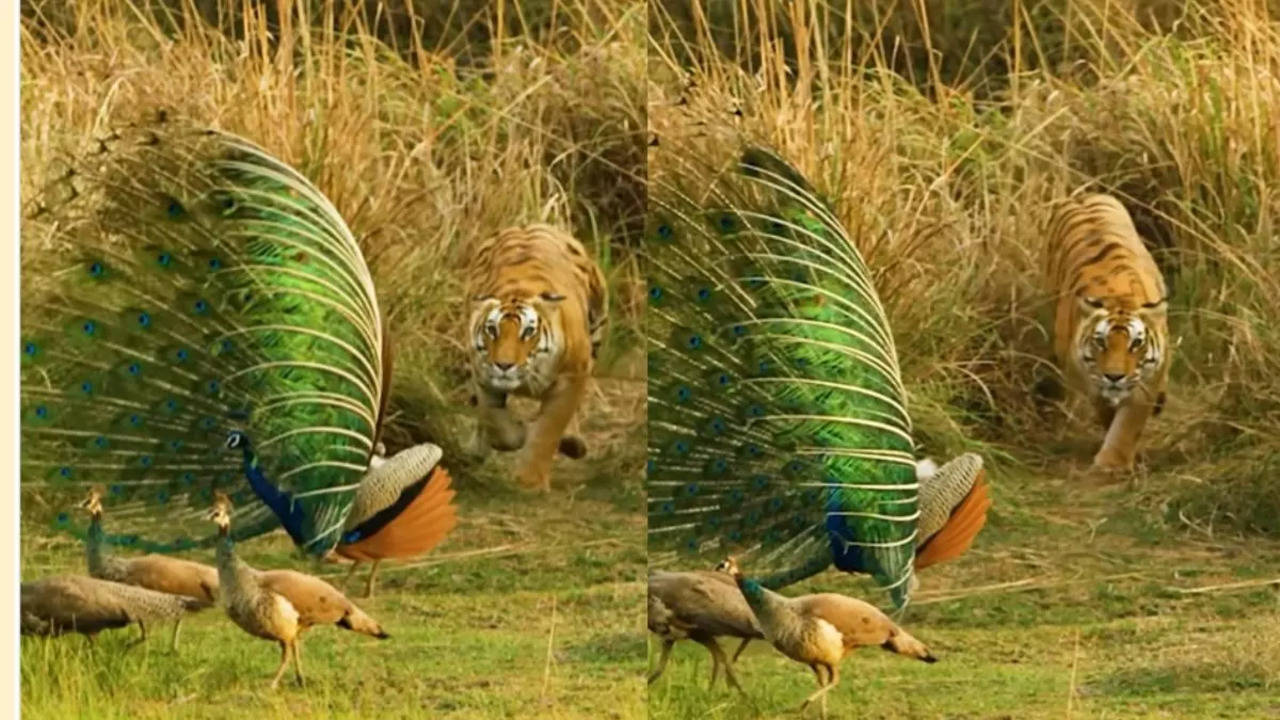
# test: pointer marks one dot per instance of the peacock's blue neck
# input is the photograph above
(846, 555)
(281, 503)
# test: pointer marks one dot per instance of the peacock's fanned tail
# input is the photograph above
(192, 285)
(778, 429)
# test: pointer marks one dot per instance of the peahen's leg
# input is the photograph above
(559, 404)
(717, 657)
(817, 671)
(142, 634)
(824, 687)
(177, 627)
(664, 655)
(834, 670)
(284, 663)
(346, 580)
(373, 576)
(729, 675)
(743, 646)
(297, 659)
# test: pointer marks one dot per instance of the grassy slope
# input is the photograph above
(1084, 614)
(472, 626)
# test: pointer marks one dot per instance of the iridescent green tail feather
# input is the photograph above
(777, 421)
(192, 285)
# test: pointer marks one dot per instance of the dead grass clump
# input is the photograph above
(945, 180)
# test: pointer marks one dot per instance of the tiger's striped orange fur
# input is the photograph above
(1111, 332)
(538, 314)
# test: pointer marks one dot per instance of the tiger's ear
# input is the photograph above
(1155, 309)
(1088, 305)
(548, 302)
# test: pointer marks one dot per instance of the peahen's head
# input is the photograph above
(92, 502)
(730, 565)
(220, 513)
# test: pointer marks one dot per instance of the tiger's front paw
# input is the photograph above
(1108, 468)
(1096, 477)
(534, 479)
(573, 446)
(1113, 461)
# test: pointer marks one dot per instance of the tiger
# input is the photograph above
(1111, 334)
(539, 309)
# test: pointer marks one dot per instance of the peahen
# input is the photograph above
(778, 427)
(819, 630)
(201, 319)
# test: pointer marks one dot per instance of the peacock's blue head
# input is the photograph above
(237, 440)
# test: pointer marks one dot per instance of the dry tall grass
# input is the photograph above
(944, 177)
(422, 154)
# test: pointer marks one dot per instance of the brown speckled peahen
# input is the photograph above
(161, 573)
(820, 629)
(700, 605)
(280, 605)
(75, 603)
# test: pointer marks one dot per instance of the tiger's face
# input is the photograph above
(1120, 350)
(510, 334)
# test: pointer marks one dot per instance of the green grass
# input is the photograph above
(1071, 604)
(532, 606)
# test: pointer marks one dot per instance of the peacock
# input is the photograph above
(417, 479)
(201, 320)
(778, 426)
